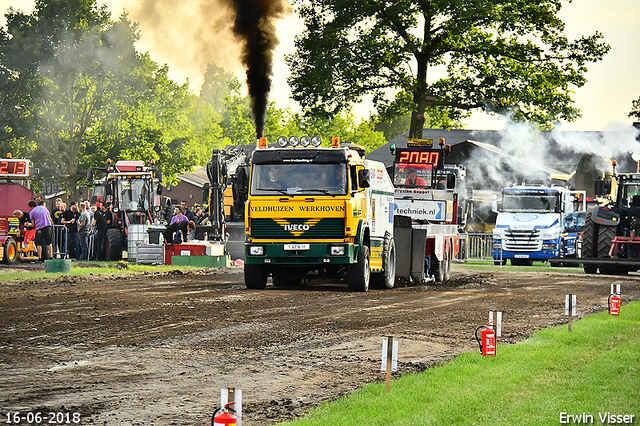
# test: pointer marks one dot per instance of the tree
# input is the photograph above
(76, 92)
(635, 109)
(500, 56)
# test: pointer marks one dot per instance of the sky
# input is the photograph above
(189, 34)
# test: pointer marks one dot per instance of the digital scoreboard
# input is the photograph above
(14, 169)
(419, 156)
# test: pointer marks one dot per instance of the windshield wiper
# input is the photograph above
(282, 191)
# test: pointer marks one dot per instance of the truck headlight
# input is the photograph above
(338, 250)
(316, 141)
(256, 250)
(549, 246)
(282, 141)
(305, 141)
(497, 244)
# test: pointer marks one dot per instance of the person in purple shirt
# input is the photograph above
(44, 231)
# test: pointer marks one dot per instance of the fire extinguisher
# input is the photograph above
(487, 341)
(224, 418)
(614, 304)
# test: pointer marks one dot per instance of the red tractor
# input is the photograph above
(15, 194)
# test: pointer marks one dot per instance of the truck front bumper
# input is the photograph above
(257, 253)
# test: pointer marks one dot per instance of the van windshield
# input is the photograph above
(295, 179)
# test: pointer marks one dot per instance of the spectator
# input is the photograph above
(178, 231)
(102, 220)
(27, 229)
(44, 235)
(70, 219)
(84, 224)
(201, 216)
(185, 211)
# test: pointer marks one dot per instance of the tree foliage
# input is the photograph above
(635, 109)
(77, 92)
(498, 56)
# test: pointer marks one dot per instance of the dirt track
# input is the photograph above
(157, 349)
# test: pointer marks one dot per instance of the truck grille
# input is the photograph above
(522, 241)
(325, 228)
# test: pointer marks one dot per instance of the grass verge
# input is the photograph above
(90, 268)
(593, 370)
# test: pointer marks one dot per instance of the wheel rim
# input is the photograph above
(11, 252)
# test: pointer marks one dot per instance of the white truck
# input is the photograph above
(536, 222)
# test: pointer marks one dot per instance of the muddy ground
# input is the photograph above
(157, 348)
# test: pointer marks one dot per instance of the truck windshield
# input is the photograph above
(531, 203)
(133, 194)
(412, 175)
(294, 179)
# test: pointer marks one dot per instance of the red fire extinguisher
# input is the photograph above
(224, 418)
(487, 341)
(614, 304)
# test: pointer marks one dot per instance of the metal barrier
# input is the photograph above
(60, 242)
(476, 247)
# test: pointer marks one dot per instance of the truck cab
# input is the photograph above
(537, 222)
(315, 212)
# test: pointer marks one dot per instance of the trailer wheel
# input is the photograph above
(114, 244)
(447, 264)
(387, 278)
(10, 251)
(438, 268)
(359, 273)
(255, 277)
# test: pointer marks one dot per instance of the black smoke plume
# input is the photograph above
(255, 26)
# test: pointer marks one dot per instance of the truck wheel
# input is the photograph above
(255, 277)
(10, 251)
(560, 255)
(587, 244)
(387, 278)
(359, 273)
(114, 244)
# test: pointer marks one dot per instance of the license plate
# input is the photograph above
(521, 256)
(296, 247)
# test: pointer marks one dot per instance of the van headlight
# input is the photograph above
(256, 250)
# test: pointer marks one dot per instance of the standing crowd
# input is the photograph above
(75, 231)
(79, 230)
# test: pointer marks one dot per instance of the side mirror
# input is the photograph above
(108, 190)
(159, 175)
(494, 203)
(451, 181)
(364, 178)
(160, 189)
(469, 193)
(90, 175)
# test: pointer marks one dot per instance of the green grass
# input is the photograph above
(595, 369)
(89, 268)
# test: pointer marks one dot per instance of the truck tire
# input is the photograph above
(387, 278)
(114, 243)
(255, 277)
(359, 274)
(10, 251)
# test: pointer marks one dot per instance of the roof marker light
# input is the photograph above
(305, 141)
(294, 141)
(316, 141)
(282, 141)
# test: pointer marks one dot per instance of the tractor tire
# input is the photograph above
(386, 278)
(588, 238)
(10, 251)
(605, 237)
(359, 274)
(255, 277)
(114, 243)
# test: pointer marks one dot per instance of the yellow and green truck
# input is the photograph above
(315, 212)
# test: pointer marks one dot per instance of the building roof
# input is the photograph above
(197, 177)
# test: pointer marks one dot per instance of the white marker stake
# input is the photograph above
(498, 322)
(235, 395)
(389, 359)
(570, 307)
